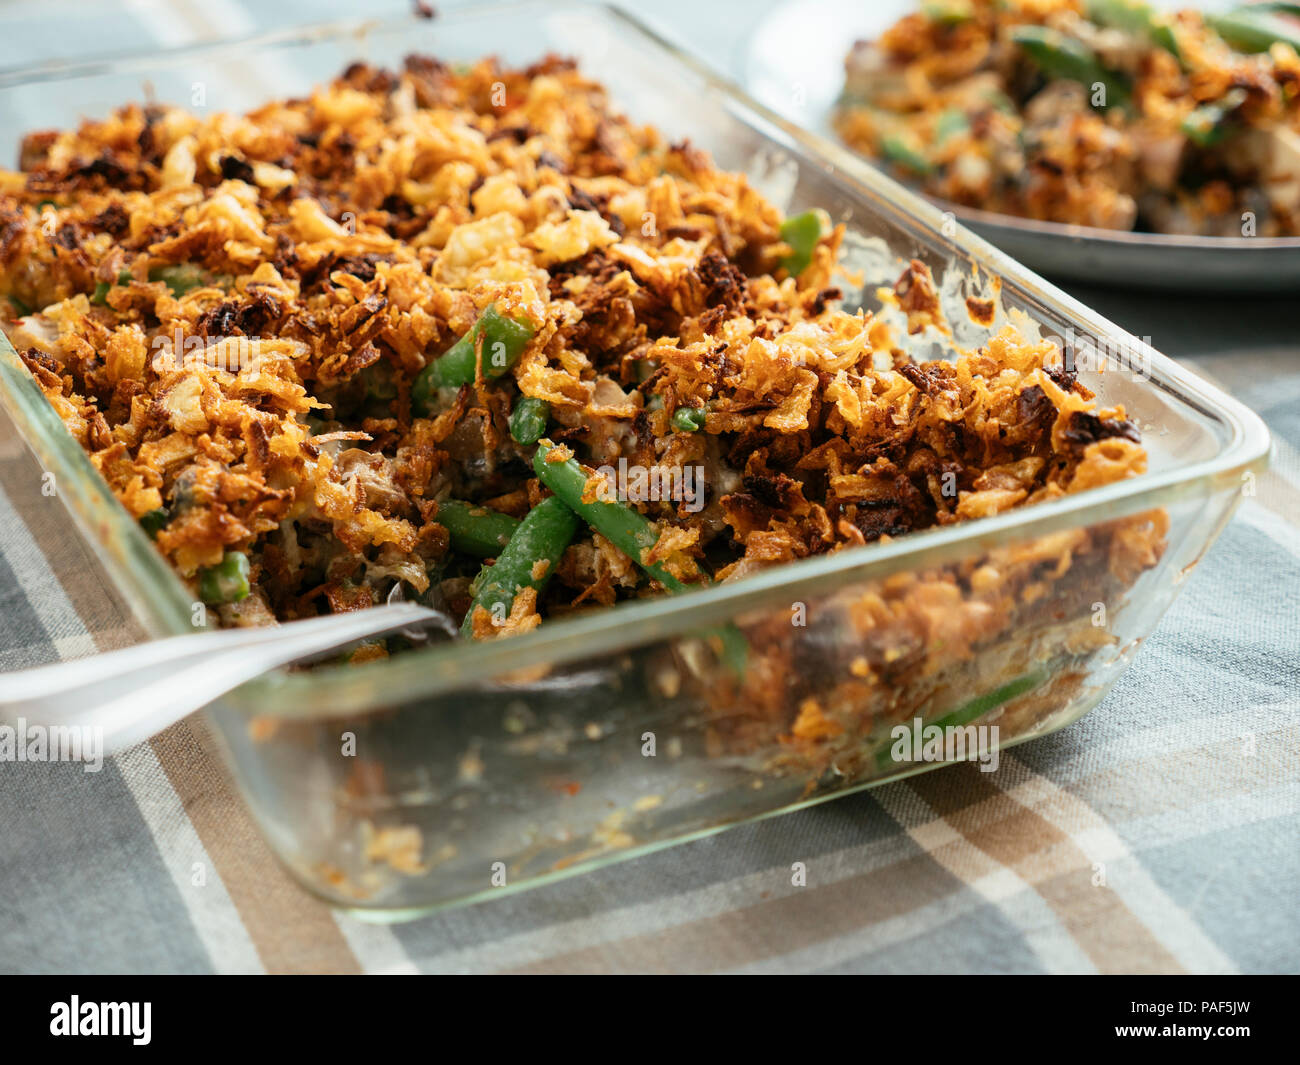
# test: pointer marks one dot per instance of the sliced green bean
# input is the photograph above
(180, 277)
(1253, 31)
(495, 338)
(529, 419)
(1058, 56)
(476, 530)
(154, 521)
(1212, 123)
(1275, 7)
(625, 528)
(902, 154)
(1135, 17)
(688, 419)
(951, 123)
(100, 296)
(537, 544)
(226, 582)
(948, 12)
(802, 232)
(632, 534)
(972, 710)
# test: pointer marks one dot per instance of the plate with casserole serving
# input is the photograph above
(1106, 141)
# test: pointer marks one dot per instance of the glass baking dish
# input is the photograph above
(456, 772)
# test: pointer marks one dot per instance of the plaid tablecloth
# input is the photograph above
(1159, 834)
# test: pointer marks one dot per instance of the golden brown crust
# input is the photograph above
(336, 244)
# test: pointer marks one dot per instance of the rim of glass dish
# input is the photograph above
(166, 608)
(1122, 237)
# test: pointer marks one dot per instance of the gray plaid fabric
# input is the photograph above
(1183, 786)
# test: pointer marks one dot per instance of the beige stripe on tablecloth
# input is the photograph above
(767, 929)
(1047, 859)
(293, 932)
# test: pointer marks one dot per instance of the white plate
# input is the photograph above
(795, 65)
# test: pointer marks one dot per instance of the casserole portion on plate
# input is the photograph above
(1102, 113)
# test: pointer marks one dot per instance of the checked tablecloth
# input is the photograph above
(1184, 785)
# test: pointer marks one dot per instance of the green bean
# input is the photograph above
(1212, 123)
(528, 420)
(538, 542)
(226, 582)
(1135, 17)
(475, 530)
(180, 277)
(1058, 56)
(948, 12)
(802, 232)
(972, 710)
(19, 306)
(496, 339)
(618, 523)
(999, 101)
(154, 521)
(100, 296)
(632, 534)
(1273, 7)
(951, 123)
(897, 150)
(688, 419)
(1250, 31)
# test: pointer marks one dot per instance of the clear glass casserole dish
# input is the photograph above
(456, 772)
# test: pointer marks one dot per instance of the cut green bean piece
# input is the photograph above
(498, 339)
(971, 711)
(802, 232)
(688, 419)
(1162, 35)
(19, 306)
(899, 152)
(226, 582)
(1250, 31)
(951, 123)
(1213, 123)
(1058, 56)
(100, 296)
(632, 534)
(475, 530)
(617, 522)
(1275, 7)
(528, 560)
(154, 521)
(948, 12)
(529, 419)
(180, 277)
(1135, 17)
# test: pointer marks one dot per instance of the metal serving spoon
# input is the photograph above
(137, 692)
